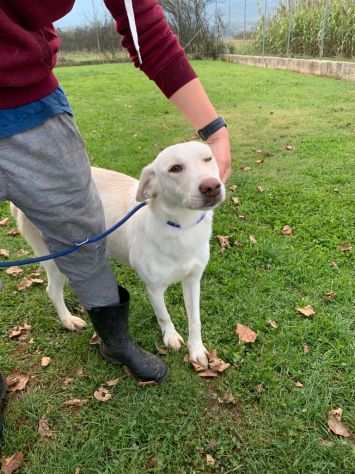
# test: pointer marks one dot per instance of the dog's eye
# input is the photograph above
(209, 158)
(176, 169)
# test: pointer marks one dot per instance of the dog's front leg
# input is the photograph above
(171, 337)
(191, 289)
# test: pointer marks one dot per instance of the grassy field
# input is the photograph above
(272, 426)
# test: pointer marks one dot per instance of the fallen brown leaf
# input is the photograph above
(272, 323)
(289, 147)
(77, 470)
(336, 425)
(210, 460)
(44, 429)
(330, 295)
(17, 382)
(4, 253)
(161, 350)
(151, 463)
(67, 381)
(334, 264)
(112, 383)
(13, 232)
(102, 394)
(94, 340)
(345, 247)
(260, 189)
(259, 388)
(252, 239)
(45, 361)
(216, 364)
(4, 221)
(287, 230)
(236, 201)
(208, 374)
(245, 334)
(24, 284)
(242, 217)
(22, 253)
(14, 271)
(227, 399)
(245, 168)
(75, 402)
(223, 242)
(307, 311)
(259, 162)
(299, 384)
(233, 188)
(20, 332)
(12, 463)
(306, 348)
(143, 383)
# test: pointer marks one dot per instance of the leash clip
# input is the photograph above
(79, 244)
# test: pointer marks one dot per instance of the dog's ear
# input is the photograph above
(147, 184)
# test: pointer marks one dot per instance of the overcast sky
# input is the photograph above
(84, 11)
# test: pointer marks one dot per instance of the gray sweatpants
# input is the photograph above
(46, 173)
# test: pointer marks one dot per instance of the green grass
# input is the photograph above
(170, 429)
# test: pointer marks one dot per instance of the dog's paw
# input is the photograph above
(198, 354)
(173, 340)
(73, 323)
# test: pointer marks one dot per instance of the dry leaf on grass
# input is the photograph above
(299, 384)
(329, 295)
(143, 383)
(112, 383)
(245, 168)
(45, 361)
(17, 382)
(77, 471)
(22, 253)
(287, 230)
(67, 381)
(289, 147)
(210, 460)
(336, 425)
(252, 239)
(259, 388)
(20, 332)
(236, 201)
(44, 429)
(216, 366)
(260, 189)
(4, 253)
(306, 348)
(161, 350)
(233, 188)
(307, 311)
(245, 334)
(242, 217)
(27, 282)
(223, 242)
(345, 247)
(12, 463)
(4, 221)
(14, 271)
(259, 162)
(75, 402)
(102, 394)
(94, 340)
(227, 399)
(272, 323)
(13, 232)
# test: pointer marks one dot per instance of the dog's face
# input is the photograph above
(183, 176)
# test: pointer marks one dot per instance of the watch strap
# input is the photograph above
(216, 124)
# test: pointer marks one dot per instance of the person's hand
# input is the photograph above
(220, 146)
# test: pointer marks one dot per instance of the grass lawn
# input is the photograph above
(273, 426)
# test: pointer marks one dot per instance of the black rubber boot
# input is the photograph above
(111, 325)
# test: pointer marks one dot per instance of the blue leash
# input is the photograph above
(76, 246)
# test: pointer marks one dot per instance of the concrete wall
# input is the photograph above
(337, 69)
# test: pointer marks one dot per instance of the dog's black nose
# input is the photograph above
(210, 187)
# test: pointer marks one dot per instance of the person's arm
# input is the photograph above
(194, 103)
(164, 61)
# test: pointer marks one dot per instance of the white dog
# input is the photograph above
(165, 242)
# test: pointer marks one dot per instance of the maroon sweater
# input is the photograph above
(29, 44)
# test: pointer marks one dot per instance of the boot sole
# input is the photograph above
(114, 361)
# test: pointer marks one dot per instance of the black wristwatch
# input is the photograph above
(205, 132)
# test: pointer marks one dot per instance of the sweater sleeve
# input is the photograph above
(163, 59)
